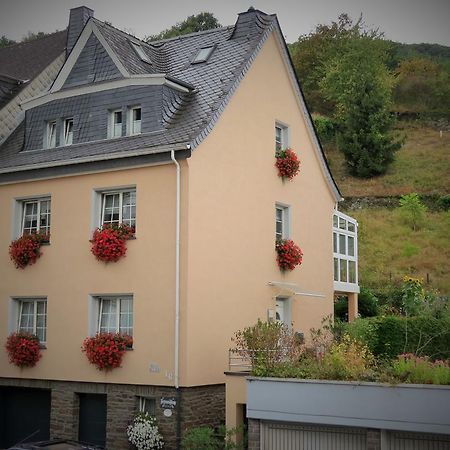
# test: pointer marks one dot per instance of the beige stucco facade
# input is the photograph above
(229, 188)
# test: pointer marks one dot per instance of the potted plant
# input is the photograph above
(109, 242)
(106, 350)
(25, 250)
(289, 254)
(23, 349)
(287, 163)
(143, 433)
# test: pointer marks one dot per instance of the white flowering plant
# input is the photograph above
(143, 433)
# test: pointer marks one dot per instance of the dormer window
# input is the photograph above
(51, 134)
(115, 123)
(140, 52)
(68, 131)
(203, 55)
(134, 124)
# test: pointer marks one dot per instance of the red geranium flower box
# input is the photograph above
(23, 349)
(109, 242)
(289, 254)
(287, 163)
(25, 250)
(106, 350)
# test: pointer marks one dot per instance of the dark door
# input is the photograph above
(92, 428)
(24, 415)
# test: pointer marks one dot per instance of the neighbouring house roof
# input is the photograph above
(26, 60)
(188, 116)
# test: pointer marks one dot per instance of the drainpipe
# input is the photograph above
(177, 301)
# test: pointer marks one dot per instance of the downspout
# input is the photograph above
(177, 301)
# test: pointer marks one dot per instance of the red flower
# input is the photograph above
(26, 249)
(108, 242)
(287, 163)
(23, 349)
(289, 254)
(106, 350)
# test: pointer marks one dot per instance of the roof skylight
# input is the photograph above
(140, 52)
(203, 54)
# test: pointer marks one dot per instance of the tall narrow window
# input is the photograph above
(135, 121)
(36, 216)
(115, 124)
(51, 134)
(281, 137)
(119, 207)
(33, 317)
(68, 131)
(281, 222)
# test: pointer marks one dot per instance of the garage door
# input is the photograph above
(418, 441)
(290, 436)
(24, 416)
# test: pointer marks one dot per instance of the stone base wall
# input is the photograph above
(199, 406)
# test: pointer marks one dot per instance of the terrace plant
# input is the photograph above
(143, 433)
(289, 254)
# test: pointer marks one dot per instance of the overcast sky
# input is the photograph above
(411, 21)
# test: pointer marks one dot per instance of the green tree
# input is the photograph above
(193, 24)
(412, 210)
(360, 85)
(31, 36)
(312, 53)
(5, 41)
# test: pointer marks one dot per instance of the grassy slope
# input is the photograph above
(422, 165)
(388, 249)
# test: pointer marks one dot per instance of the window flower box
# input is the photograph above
(109, 242)
(25, 250)
(106, 350)
(23, 349)
(287, 163)
(289, 254)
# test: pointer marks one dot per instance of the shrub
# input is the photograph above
(287, 163)
(367, 305)
(412, 210)
(414, 369)
(443, 202)
(143, 433)
(265, 344)
(289, 254)
(106, 350)
(23, 349)
(25, 250)
(206, 438)
(109, 242)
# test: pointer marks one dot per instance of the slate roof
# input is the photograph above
(188, 117)
(26, 60)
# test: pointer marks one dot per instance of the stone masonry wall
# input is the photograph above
(200, 406)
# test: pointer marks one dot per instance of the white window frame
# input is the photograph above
(283, 144)
(19, 302)
(119, 192)
(67, 136)
(23, 203)
(285, 221)
(111, 124)
(131, 123)
(118, 298)
(342, 232)
(50, 133)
